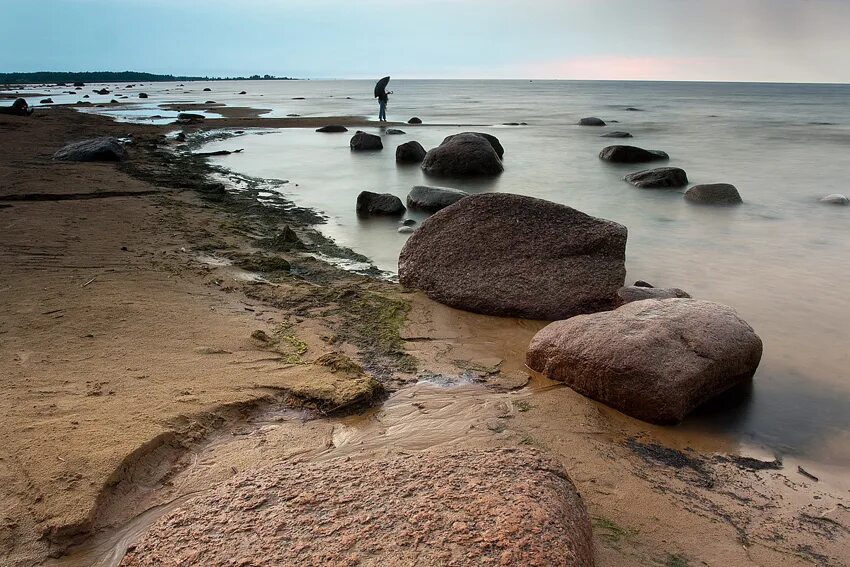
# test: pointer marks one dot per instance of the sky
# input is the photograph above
(699, 40)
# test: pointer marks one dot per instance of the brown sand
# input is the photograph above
(118, 364)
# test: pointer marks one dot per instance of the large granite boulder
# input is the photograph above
(433, 199)
(655, 360)
(476, 507)
(410, 152)
(464, 154)
(591, 121)
(494, 141)
(658, 178)
(714, 194)
(97, 149)
(631, 154)
(516, 256)
(361, 141)
(630, 293)
(369, 203)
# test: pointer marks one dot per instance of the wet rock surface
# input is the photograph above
(655, 360)
(658, 178)
(369, 203)
(482, 507)
(332, 128)
(466, 154)
(636, 292)
(433, 199)
(631, 154)
(516, 256)
(410, 152)
(714, 194)
(591, 121)
(616, 134)
(97, 149)
(362, 141)
(494, 141)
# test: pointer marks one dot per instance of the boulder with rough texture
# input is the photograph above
(591, 121)
(494, 141)
(475, 507)
(631, 154)
(332, 129)
(616, 134)
(369, 203)
(433, 199)
(658, 178)
(516, 256)
(655, 360)
(464, 154)
(414, 120)
(636, 292)
(836, 199)
(97, 149)
(410, 152)
(361, 141)
(714, 194)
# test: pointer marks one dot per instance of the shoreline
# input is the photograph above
(186, 241)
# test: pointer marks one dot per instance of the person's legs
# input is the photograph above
(382, 113)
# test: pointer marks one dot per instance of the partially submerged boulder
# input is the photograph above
(516, 256)
(636, 292)
(836, 199)
(494, 141)
(616, 134)
(433, 199)
(97, 149)
(190, 117)
(332, 129)
(714, 194)
(410, 152)
(658, 178)
(631, 154)
(655, 360)
(466, 154)
(414, 120)
(361, 141)
(394, 131)
(143, 95)
(591, 121)
(369, 203)
(46, 101)
(488, 506)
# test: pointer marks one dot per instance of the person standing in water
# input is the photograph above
(383, 98)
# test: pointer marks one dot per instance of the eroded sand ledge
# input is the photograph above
(118, 363)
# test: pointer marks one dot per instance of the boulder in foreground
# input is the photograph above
(655, 360)
(658, 178)
(516, 256)
(410, 152)
(97, 149)
(631, 154)
(494, 141)
(478, 507)
(714, 194)
(433, 199)
(361, 141)
(466, 154)
(369, 203)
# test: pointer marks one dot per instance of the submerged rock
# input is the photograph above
(369, 203)
(410, 152)
(616, 134)
(521, 502)
(332, 129)
(97, 149)
(836, 199)
(433, 199)
(714, 194)
(464, 154)
(591, 121)
(631, 154)
(655, 360)
(516, 256)
(636, 292)
(395, 131)
(361, 141)
(658, 178)
(494, 141)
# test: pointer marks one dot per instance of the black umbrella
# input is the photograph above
(381, 86)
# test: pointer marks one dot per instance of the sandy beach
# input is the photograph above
(158, 338)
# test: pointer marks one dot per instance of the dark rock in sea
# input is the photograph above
(143, 95)
(414, 120)
(361, 141)
(467, 256)
(97, 149)
(85, 96)
(79, 84)
(19, 108)
(180, 137)
(46, 101)
(394, 131)
(113, 101)
(641, 283)
(189, 117)
(519, 501)
(465, 154)
(78, 88)
(298, 98)
(408, 222)
(210, 102)
(631, 154)
(616, 134)
(633, 109)
(369, 203)
(432, 199)
(294, 115)
(836, 199)
(101, 92)
(207, 90)
(655, 360)
(659, 178)
(243, 92)
(332, 128)
(591, 121)
(714, 194)
(494, 141)
(510, 123)
(410, 152)
(628, 294)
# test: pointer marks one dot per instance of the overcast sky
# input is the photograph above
(734, 40)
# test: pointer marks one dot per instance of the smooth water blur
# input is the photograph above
(781, 259)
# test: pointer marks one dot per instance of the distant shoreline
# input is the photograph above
(38, 77)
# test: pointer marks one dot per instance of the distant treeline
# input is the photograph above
(116, 77)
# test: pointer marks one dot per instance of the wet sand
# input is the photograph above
(131, 377)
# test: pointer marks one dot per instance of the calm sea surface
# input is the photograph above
(782, 259)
